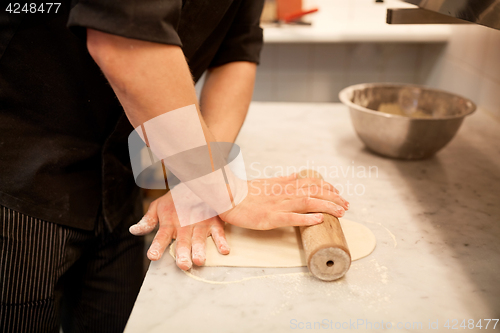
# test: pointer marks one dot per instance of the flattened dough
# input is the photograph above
(279, 247)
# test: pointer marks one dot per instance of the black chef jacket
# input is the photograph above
(63, 134)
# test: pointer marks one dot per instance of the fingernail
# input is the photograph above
(199, 256)
(346, 204)
(224, 248)
(184, 261)
(182, 258)
(138, 227)
(341, 212)
(315, 219)
(154, 254)
(134, 229)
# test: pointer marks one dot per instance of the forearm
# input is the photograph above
(149, 79)
(225, 98)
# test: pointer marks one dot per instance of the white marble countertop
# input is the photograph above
(437, 224)
(340, 21)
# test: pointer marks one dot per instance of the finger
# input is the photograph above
(147, 223)
(162, 239)
(183, 248)
(291, 176)
(297, 220)
(313, 205)
(199, 241)
(219, 237)
(324, 194)
(315, 181)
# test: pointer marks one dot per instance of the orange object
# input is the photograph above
(294, 16)
(287, 7)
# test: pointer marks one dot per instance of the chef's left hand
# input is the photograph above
(191, 239)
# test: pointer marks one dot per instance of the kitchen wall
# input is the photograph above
(468, 65)
(317, 72)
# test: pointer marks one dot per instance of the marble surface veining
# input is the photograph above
(436, 222)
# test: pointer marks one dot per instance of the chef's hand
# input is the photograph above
(286, 201)
(191, 239)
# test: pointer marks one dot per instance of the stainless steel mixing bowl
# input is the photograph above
(400, 136)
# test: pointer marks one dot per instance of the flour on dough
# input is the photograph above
(279, 247)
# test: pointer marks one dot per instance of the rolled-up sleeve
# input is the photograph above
(244, 39)
(150, 20)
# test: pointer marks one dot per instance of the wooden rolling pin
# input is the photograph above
(327, 255)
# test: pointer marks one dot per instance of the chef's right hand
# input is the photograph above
(191, 239)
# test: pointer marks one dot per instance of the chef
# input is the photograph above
(76, 78)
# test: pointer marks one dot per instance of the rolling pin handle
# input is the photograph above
(327, 254)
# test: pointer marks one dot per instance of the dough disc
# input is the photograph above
(279, 247)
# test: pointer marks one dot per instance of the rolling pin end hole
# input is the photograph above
(329, 263)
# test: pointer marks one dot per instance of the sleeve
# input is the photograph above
(244, 39)
(148, 20)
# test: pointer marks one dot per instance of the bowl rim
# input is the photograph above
(344, 96)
